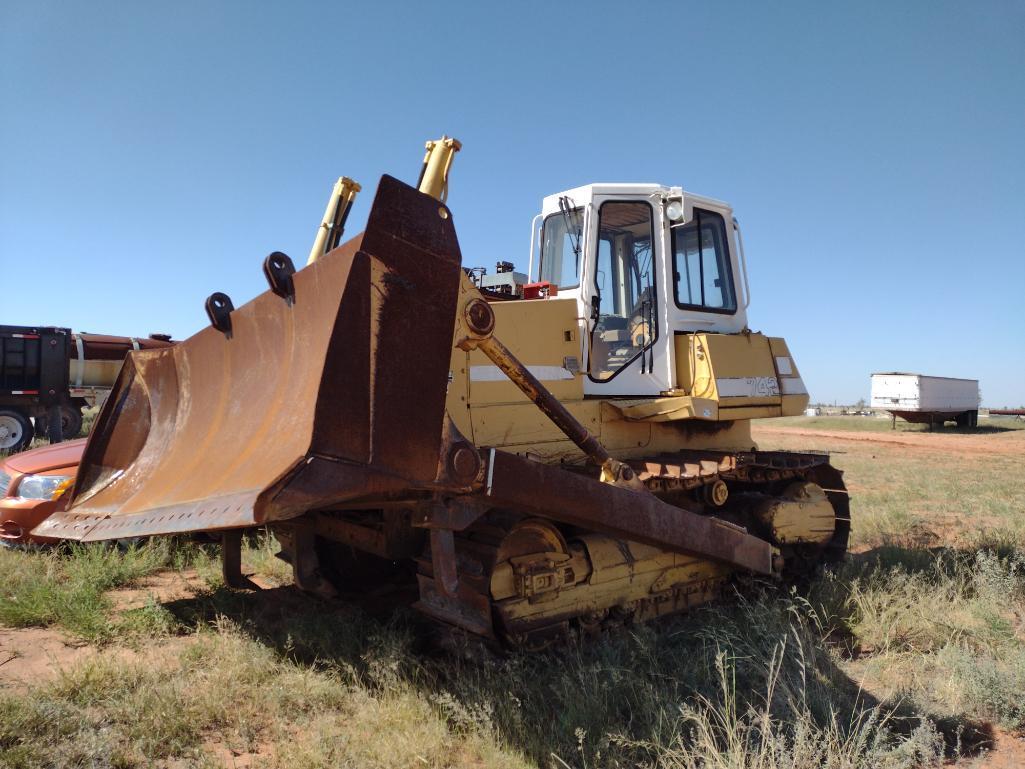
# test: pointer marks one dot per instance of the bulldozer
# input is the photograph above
(527, 457)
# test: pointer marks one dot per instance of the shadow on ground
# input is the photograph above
(980, 430)
(620, 695)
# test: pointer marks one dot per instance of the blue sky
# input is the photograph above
(874, 153)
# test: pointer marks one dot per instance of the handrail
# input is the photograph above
(743, 262)
(533, 232)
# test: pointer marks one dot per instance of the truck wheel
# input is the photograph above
(15, 430)
(71, 423)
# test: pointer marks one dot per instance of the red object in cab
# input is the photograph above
(542, 290)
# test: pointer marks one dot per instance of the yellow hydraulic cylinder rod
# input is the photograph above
(330, 231)
(437, 162)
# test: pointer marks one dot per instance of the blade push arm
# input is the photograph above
(475, 322)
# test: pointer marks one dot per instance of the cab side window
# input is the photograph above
(701, 264)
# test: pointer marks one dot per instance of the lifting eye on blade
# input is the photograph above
(219, 308)
(279, 269)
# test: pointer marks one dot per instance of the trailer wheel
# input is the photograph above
(15, 430)
(71, 422)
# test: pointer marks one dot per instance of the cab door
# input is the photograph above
(627, 349)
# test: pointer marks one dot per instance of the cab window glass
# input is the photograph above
(623, 313)
(562, 248)
(701, 264)
(605, 278)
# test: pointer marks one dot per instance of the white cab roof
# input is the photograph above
(586, 192)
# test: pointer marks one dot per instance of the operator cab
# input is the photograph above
(644, 263)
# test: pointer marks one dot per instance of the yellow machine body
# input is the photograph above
(544, 333)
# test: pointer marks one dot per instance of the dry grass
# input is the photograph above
(224, 690)
(748, 684)
(943, 631)
(901, 658)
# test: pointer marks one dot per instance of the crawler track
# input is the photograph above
(586, 607)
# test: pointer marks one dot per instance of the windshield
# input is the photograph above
(560, 248)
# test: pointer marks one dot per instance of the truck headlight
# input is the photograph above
(44, 486)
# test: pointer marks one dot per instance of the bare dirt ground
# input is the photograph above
(1008, 753)
(31, 655)
(233, 758)
(164, 587)
(1011, 442)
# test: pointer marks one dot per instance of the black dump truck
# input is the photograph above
(48, 375)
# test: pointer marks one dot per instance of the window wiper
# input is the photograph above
(652, 331)
(566, 208)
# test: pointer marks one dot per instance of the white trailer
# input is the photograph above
(930, 399)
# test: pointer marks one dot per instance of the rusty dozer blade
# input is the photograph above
(299, 400)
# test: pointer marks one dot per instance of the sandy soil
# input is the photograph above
(31, 655)
(1008, 753)
(164, 587)
(1011, 442)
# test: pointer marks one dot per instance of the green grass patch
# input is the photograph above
(67, 587)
